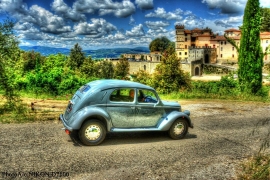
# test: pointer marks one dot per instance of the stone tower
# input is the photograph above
(182, 41)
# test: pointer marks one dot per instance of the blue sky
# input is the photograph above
(98, 24)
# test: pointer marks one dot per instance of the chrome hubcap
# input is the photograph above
(93, 132)
(179, 128)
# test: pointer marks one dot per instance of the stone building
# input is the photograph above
(196, 49)
(151, 57)
(200, 47)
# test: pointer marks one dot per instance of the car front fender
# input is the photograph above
(166, 123)
(78, 118)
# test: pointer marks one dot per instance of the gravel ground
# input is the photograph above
(212, 150)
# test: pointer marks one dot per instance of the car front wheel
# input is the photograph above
(179, 129)
(92, 133)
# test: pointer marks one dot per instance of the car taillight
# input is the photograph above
(67, 132)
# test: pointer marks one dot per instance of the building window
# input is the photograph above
(233, 55)
(225, 42)
(185, 46)
(221, 55)
(185, 53)
(266, 41)
(214, 46)
(186, 39)
(180, 53)
(233, 48)
(144, 67)
(221, 49)
(221, 42)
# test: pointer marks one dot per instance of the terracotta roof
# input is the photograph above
(187, 31)
(232, 30)
(204, 35)
(196, 30)
(218, 38)
(222, 38)
(265, 35)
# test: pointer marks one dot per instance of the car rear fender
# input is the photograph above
(88, 113)
(168, 120)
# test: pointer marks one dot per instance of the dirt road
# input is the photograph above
(212, 150)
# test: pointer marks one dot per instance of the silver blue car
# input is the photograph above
(103, 106)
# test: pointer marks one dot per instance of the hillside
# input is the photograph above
(95, 54)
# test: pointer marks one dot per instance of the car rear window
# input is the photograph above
(84, 88)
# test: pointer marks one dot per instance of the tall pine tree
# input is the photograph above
(250, 53)
(77, 57)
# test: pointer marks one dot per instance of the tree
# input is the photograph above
(30, 59)
(250, 52)
(143, 77)
(121, 68)
(106, 70)
(77, 57)
(159, 44)
(265, 19)
(168, 75)
(88, 67)
(9, 54)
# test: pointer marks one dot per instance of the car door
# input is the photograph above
(149, 110)
(121, 107)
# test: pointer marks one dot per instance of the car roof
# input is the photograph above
(113, 83)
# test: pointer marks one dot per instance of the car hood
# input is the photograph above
(171, 104)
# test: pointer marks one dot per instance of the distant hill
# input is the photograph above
(95, 54)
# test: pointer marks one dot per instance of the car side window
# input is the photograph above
(122, 95)
(146, 96)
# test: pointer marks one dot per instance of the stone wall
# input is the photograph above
(142, 65)
(136, 66)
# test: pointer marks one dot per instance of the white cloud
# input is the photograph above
(47, 21)
(145, 4)
(265, 3)
(64, 10)
(235, 19)
(98, 28)
(227, 6)
(161, 13)
(136, 31)
(156, 24)
(132, 21)
(192, 21)
(104, 7)
(15, 7)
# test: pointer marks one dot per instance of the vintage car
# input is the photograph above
(104, 106)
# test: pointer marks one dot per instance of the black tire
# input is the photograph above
(92, 132)
(179, 129)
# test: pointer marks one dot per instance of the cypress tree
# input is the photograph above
(250, 53)
(77, 57)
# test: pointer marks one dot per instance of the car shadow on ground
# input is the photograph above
(130, 138)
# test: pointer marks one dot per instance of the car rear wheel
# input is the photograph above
(92, 133)
(179, 129)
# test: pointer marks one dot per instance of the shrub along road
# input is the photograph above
(212, 150)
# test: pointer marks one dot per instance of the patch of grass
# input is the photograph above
(211, 90)
(255, 168)
(29, 94)
(28, 117)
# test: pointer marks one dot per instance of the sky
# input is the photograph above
(95, 24)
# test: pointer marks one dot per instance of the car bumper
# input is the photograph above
(187, 112)
(61, 117)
